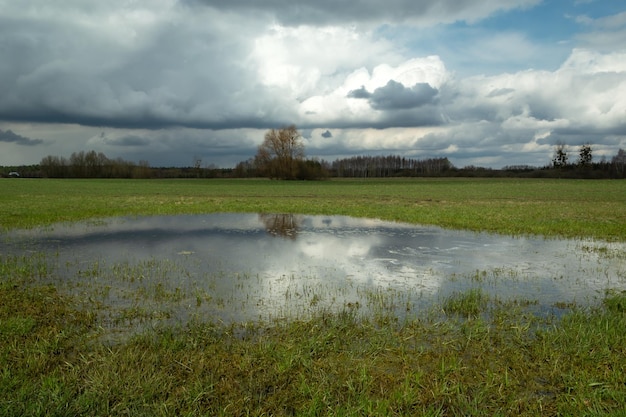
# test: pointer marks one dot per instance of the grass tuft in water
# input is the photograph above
(615, 301)
(467, 304)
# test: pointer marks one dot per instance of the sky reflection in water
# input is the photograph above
(231, 267)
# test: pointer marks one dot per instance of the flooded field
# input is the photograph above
(247, 267)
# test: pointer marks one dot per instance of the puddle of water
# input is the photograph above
(242, 267)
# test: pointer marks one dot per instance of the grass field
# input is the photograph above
(567, 208)
(472, 355)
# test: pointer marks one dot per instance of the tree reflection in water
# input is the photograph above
(244, 266)
(281, 225)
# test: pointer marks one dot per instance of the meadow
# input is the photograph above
(470, 355)
(552, 208)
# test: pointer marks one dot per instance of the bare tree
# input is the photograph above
(559, 160)
(142, 170)
(197, 165)
(54, 166)
(585, 155)
(619, 163)
(281, 153)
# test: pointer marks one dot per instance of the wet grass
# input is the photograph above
(563, 208)
(481, 357)
(470, 354)
(466, 304)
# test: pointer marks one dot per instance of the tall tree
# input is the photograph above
(559, 160)
(53, 166)
(585, 155)
(619, 163)
(281, 153)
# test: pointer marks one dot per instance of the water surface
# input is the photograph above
(240, 267)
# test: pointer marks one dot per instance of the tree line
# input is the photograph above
(584, 165)
(389, 166)
(92, 164)
(282, 156)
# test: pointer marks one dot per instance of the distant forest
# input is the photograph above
(93, 164)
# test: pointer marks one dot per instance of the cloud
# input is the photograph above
(160, 66)
(395, 96)
(151, 67)
(427, 77)
(507, 118)
(328, 12)
(9, 136)
(360, 92)
(500, 92)
(585, 91)
(129, 140)
(604, 33)
(386, 96)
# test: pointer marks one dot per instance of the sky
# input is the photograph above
(488, 83)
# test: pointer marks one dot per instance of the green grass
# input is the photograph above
(564, 208)
(470, 355)
(504, 363)
(466, 304)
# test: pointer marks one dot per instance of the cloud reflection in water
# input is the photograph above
(249, 266)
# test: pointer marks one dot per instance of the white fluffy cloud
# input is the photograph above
(505, 116)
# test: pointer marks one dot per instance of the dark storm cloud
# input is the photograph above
(141, 119)
(10, 137)
(325, 12)
(395, 96)
(168, 72)
(359, 93)
(419, 117)
(401, 106)
(585, 134)
(130, 140)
